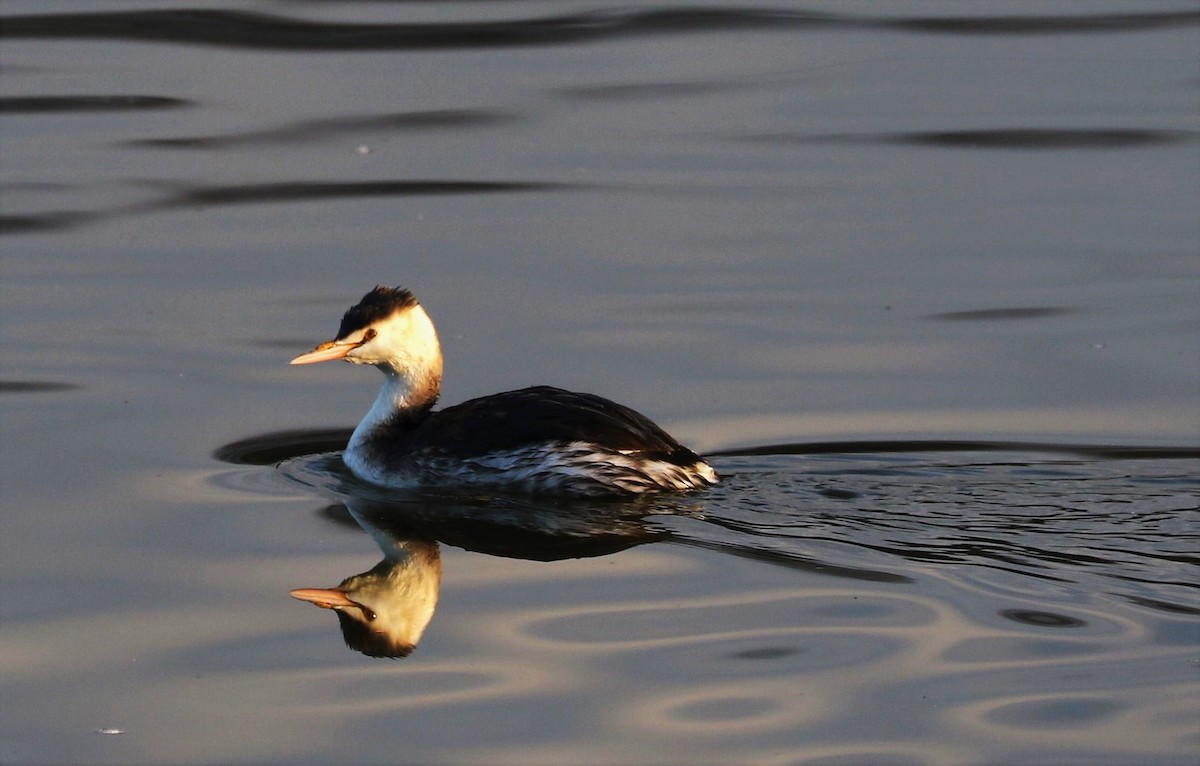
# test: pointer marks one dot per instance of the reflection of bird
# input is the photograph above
(541, 439)
(383, 612)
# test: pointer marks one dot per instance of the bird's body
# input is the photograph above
(539, 439)
(542, 440)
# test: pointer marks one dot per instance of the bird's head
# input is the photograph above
(387, 329)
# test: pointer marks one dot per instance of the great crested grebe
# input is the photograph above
(540, 440)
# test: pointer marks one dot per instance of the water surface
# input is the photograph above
(921, 277)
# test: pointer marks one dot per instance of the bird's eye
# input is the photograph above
(370, 615)
(367, 335)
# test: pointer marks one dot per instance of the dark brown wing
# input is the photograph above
(541, 415)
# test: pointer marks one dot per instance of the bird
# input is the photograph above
(540, 440)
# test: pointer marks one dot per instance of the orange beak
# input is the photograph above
(326, 598)
(326, 352)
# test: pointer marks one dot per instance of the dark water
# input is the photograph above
(921, 277)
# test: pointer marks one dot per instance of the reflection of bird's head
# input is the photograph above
(383, 612)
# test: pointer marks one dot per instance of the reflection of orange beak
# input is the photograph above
(326, 598)
(326, 352)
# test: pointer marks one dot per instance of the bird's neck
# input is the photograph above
(404, 401)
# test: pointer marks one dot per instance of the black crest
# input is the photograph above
(378, 304)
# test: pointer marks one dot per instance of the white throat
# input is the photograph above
(405, 348)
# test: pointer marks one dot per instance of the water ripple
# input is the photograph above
(256, 30)
(277, 446)
(293, 191)
(780, 618)
(1057, 517)
(198, 196)
(1026, 312)
(36, 386)
(1043, 138)
(97, 103)
(1028, 138)
(38, 223)
(314, 130)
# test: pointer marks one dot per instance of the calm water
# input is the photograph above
(921, 277)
